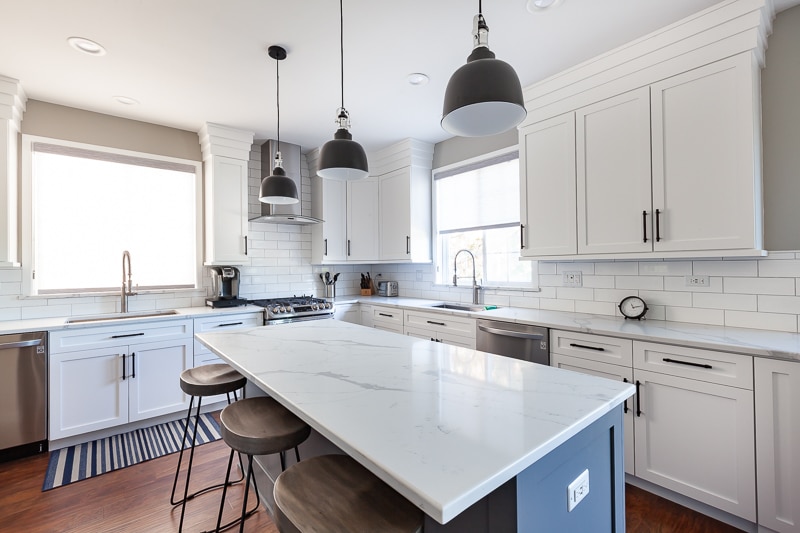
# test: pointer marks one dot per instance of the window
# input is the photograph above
(88, 204)
(477, 209)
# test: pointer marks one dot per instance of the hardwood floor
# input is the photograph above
(136, 499)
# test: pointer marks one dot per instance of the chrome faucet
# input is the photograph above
(127, 288)
(475, 286)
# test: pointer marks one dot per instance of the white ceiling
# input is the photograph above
(194, 61)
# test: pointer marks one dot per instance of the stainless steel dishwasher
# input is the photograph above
(520, 341)
(23, 394)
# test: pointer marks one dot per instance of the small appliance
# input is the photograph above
(225, 287)
(387, 288)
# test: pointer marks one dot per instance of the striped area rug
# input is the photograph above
(83, 461)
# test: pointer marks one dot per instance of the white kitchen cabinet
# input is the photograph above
(706, 163)
(695, 435)
(386, 318)
(348, 313)
(613, 174)
(366, 315)
(363, 219)
(329, 238)
(106, 376)
(226, 211)
(777, 397)
(440, 327)
(547, 187)
(405, 215)
(609, 371)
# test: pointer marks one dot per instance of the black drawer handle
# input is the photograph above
(638, 399)
(123, 367)
(521, 236)
(326, 247)
(658, 225)
(384, 314)
(687, 363)
(133, 365)
(595, 348)
(127, 335)
(436, 323)
(229, 324)
(245, 245)
(408, 245)
(625, 405)
(644, 225)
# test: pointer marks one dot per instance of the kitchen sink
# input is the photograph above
(121, 316)
(462, 307)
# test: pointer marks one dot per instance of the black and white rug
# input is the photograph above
(83, 461)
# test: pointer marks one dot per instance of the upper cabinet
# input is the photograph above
(652, 150)
(226, 156)
(12, 106)
(383, 218)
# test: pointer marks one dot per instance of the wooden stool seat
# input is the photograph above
(333, 493)
(261, 426)
(210, 380)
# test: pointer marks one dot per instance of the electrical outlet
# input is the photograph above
(577, 490)
(698, 281)
(572, 279)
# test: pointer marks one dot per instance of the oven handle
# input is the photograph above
(507, 333)
(278, 321)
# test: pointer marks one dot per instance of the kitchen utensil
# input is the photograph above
(336, 277)
(327, 278)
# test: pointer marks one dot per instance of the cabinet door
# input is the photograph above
(348, 313)
(88, 391)
(362, 220)
(334, 229)
(696, 438)
(420, 333)
(609, 371)
(777, 393)
(705, 141)
(226, 210)
(547, 187)
(613, 169)
(395, 210)
(154, 371)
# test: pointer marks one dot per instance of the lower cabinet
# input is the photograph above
(348, 313)
(105, 376)
(438, 327)
(386, 318)
(777, 396)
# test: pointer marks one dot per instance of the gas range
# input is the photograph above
(294, 309)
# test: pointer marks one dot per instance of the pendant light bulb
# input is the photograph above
(278, 188)
(483, 97)
(342, 158)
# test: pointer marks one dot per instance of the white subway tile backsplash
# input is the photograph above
(778, 286)
(696, 315)
(551, 280)
(770, 321)
(725, 268)
(574, 293)
(677, 299)
(524, 301)
(556, 305)
(665, 268)
(653, 283)
(678, 283)
(595, 308)
(617, 268)
(778, 304)
(585, 268)
(11, 313)
(613, 295)
(598, 282)
(547, 268)
(738, 302)
(10, 275)
(779, 268)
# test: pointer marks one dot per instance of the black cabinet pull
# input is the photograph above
(384, 314)
(229, 324)
(436, 323)
(123, 367)
(348, 246)
(687, 363)
(638, 398)
(595, 348)
(644, 225)
(245, 245)
(408, 244)
(433, 340)
(127, 335)
(133, 365)
(658, 225)
(326, 247)
(521, 236)
(625, 405)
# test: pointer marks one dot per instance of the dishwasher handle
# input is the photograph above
(508, 333)
(20, 344)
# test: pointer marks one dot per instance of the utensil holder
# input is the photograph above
(366, 292)
(330, 291)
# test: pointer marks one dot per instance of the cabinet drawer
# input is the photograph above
(725, 368)
(441, 322)
(388, 315)
(223, 323)
(84, 338)
(594, 347)
(389, 326)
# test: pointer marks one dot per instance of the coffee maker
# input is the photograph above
(224, 287)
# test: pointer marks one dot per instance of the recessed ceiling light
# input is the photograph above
(539, 5)
(126, 100)
(86, 46)
(417, 78)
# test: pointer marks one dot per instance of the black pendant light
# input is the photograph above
(483, 97)
(278, 188)
(342, 158)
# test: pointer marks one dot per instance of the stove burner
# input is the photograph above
(294, 308)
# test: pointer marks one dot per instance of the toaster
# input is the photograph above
(387, 288)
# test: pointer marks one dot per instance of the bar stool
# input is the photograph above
(199, 382)
(258, 426)
(334, 493)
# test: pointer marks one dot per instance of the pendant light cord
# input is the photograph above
(480, 7)
(341, 46)
(278, 98)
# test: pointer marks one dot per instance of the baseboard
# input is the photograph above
(700, 507)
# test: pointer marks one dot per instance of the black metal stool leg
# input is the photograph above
(246, 514)
(191, 459)
(224, 491)
(180, 456)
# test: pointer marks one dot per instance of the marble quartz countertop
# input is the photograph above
(443, 425)
(756, 342)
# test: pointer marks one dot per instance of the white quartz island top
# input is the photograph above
(442, 425)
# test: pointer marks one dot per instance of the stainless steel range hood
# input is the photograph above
(283, 214)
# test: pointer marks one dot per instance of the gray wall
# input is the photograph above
(780, 93)
(68, 123)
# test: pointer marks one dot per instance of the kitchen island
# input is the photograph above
(477, 441)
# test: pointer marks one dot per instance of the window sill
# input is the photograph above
(491, 287)
(104, 294)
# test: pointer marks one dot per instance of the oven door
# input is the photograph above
(276, 321)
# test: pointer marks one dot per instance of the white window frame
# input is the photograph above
(534, 283)
(29, 288)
